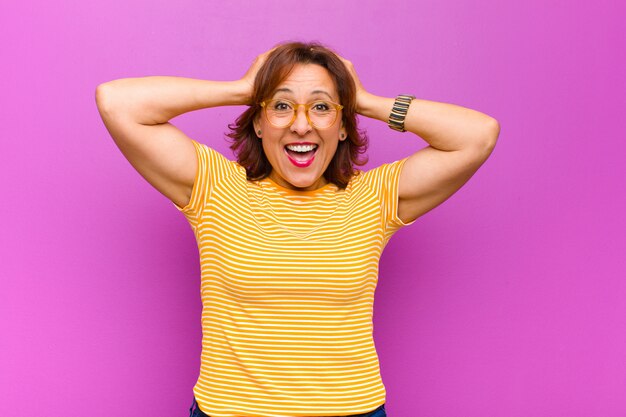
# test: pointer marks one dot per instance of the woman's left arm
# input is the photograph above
(460, 141)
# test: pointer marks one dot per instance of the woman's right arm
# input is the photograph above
(136, 112)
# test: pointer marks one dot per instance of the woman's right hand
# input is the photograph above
(248, 79)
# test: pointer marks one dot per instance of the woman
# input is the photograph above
(290, 235)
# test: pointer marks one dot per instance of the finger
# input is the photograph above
(265, 54)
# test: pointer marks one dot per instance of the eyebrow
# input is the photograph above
(287, 90)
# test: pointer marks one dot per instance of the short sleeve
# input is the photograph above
(211, 166)
(385, 180)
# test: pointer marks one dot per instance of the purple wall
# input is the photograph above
(508, 300)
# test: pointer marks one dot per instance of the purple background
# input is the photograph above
(508, 300)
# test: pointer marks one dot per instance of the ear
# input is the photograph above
(257, 126)
(342, 132)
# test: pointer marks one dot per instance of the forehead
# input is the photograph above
(307, 80)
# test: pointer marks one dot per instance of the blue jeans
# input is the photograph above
(195, 411)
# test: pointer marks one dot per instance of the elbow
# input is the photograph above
(491, 134)
(495, 126)
(102, 92)
(486, 141)
(104, 98)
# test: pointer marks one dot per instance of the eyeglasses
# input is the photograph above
(321, 114)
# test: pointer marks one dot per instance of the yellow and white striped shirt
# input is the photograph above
(288, 280)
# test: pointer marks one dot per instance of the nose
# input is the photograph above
(301, 124)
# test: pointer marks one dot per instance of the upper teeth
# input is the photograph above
(301, 148)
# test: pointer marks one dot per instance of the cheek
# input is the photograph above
(270, 142)
(264, 146)
(333, 140)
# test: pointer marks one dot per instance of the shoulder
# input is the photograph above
(213, 160)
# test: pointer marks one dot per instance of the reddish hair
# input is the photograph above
(279, 64)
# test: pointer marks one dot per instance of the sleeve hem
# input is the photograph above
(194, 190)
(395, 191)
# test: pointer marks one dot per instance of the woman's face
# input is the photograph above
(301, 171)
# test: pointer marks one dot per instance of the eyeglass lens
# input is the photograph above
(321, 113)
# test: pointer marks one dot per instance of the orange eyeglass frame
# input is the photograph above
(296, 106)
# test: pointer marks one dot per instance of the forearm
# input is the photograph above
(156, 100)
(447, 127)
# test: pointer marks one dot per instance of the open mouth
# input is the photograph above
(301, 155)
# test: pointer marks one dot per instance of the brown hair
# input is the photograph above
(248, 148)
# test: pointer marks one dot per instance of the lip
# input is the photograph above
(301, 164)
(301, 143)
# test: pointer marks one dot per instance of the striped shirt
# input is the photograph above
(287, 286)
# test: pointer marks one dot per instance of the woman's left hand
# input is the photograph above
(361, 94)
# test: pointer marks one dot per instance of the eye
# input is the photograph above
(281, 105)
(321, 107)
